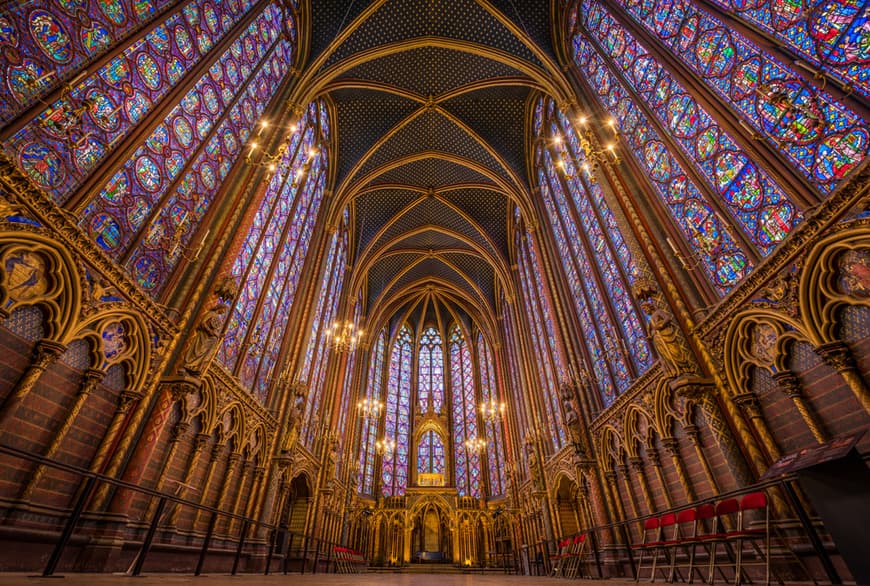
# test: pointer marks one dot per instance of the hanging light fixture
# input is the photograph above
(385, 446)
(369, 408)
(344, 336)
(492, 410)
(475, 444)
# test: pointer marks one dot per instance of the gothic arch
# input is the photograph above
(37, 270)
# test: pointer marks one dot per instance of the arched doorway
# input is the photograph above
(431, 536)
(295, 514)
(566, 505)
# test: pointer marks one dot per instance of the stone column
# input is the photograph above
(838, 356)
(637, 464)
(790, 384)
(90, 379)
(178, 432)
(751, 407)
(220, 504)
(206, 485)
(199, 443)
(672, 446)
(653, 456)
(623, 471)
(45, 353)
(694, 435)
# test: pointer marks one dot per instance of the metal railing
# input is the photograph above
(534, 558)
(306, 552)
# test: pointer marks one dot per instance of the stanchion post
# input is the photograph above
(66, 534)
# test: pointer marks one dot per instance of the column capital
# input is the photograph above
(789, 383)
(750, 404)
(672, 445)
(837, 355)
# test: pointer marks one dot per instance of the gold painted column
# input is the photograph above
(672, 446)
(178, 432)
(45, 353)
(199, 443)
(750, 405)
(637, 464)
(629, 491)
(704, 395)
(656, 462)
(90, 379)
(694, 435)
(244, 471)
(790, 384)
(220, 503)
(206, 484)
(839, 357)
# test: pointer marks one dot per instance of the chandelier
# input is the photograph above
(491, 410)
(344, 337)
(475, 444)
(369, 408)
(385, 446)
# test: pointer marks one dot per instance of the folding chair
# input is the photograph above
(650, 543)
(558, 559)
(576, 557)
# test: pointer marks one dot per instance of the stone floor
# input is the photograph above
(289, 580)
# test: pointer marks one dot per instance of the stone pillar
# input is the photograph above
(45, 353)
(199, 443)
(653, 456)
(90, 379)
(751, 407)
(672, 446)
(694, 435)
(838, 356)
(206, 485)
(790, 384)
(637, 464)
(178, 432)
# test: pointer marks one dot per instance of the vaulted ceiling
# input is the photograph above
(431, 101)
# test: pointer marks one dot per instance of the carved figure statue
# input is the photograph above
(534, 466)
(294, 421)
(203, 344)
(668, 341)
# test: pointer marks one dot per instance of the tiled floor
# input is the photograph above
(289, 580)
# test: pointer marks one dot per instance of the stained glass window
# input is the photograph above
(830, 34)
(752, 199)
(394, 471)
(317, 355)
(464, 405)
(495, 453)
(116, 96)
(722, 258)
(430, 369)
(374, 390)
(430, 453)
(46, 43)
(547, 350)
(272, 254)
(148, 210)
(819, 137)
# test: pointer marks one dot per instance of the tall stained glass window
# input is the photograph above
(547, 350)
(272, 254)
(430, 453)
(394, 470)
(374, 391)
(598, 263)
(464, 404)
(199, 78)
(495, 453)
(819, 136)
(318, 353)
(430, 372)
(132, 82)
